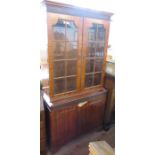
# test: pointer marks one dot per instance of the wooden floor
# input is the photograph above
(80, 145)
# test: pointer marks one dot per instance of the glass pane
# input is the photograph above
(59, 68)
(100, 50)
(71, 49)
(97, 78)
(101, 32)
(98, 65)
(89, 65)
(91, 49)
(59, 30)
(59, 50)
(89, 80)
(71, 83)
(59, 86)
(71, 31)
(92, 32)
(71, 67)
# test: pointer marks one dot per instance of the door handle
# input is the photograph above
(81, 104)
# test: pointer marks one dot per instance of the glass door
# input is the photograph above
(94, 46)
(64, 49)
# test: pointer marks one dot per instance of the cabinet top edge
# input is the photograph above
(53, 6)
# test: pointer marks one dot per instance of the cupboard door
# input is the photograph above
(94, 47)
(64, 49)
(91, 114)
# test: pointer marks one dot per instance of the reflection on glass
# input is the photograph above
(71, 49)
(89, 80)
(97, 78)
(71, 67)
(59, 68)
(100, 50)
(92, 32)
(71, 31)
(59, 86)
(101, 32)
(98, 65)
(89, 65)
(59, 30)
(71, 83)
(59, 50)
(91, 49)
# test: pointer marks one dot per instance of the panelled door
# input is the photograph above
(94, 50)
(64, 49)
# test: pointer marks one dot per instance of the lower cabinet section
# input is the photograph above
(70, 121)
(42, 134)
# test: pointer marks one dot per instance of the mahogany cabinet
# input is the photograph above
(77, 46)
(72, 117)
(42, 127)
(42, 133)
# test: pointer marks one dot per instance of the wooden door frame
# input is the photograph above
(51, 20)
